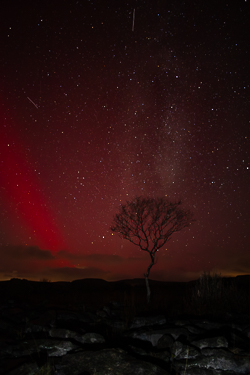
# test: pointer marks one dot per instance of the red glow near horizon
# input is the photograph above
(24, 196)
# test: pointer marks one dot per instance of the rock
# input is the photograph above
(92, 338)
(65, 334)
(106, 362)
(239, 339)
(212, 342)
(116, 325)
(154, 335)
(26, 369)
(166, 341)
(217, 359)
(188, 352)
(61, 341)
(35, 346)
(148, 321)
(163, 356)
(86, 338)
(177, 348)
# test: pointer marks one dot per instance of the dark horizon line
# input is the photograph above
(120, 280)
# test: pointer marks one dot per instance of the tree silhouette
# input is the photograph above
(149, 224)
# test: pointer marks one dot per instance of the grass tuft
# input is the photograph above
(215, 296)
(46, 369)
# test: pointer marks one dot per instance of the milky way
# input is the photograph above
(103, 101)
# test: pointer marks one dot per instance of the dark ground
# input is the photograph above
(169, 298)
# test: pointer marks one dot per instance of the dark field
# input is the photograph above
(210, 295)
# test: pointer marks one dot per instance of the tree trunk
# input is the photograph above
(148, 289)
(152, 256)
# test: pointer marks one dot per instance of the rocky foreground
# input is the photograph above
(46, 338)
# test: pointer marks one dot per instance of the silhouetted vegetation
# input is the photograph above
(215, 295)
(210, 295)
(149, 223)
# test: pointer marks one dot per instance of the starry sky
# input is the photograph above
(105, 100)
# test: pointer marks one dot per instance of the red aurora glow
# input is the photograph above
(24, 197)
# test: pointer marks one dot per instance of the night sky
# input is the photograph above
(105, 100)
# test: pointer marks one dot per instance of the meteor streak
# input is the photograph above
(32, 102)
(133, 24)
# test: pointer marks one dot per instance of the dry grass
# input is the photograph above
(46, 369)
(215, 296)
(210, 295)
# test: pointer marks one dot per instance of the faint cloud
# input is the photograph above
(103, 258)
(25, 252)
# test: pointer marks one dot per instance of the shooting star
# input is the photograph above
(133, 24)
(32, 102)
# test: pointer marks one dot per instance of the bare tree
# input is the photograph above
(149, 224)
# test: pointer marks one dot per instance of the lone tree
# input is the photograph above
(149, 224)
